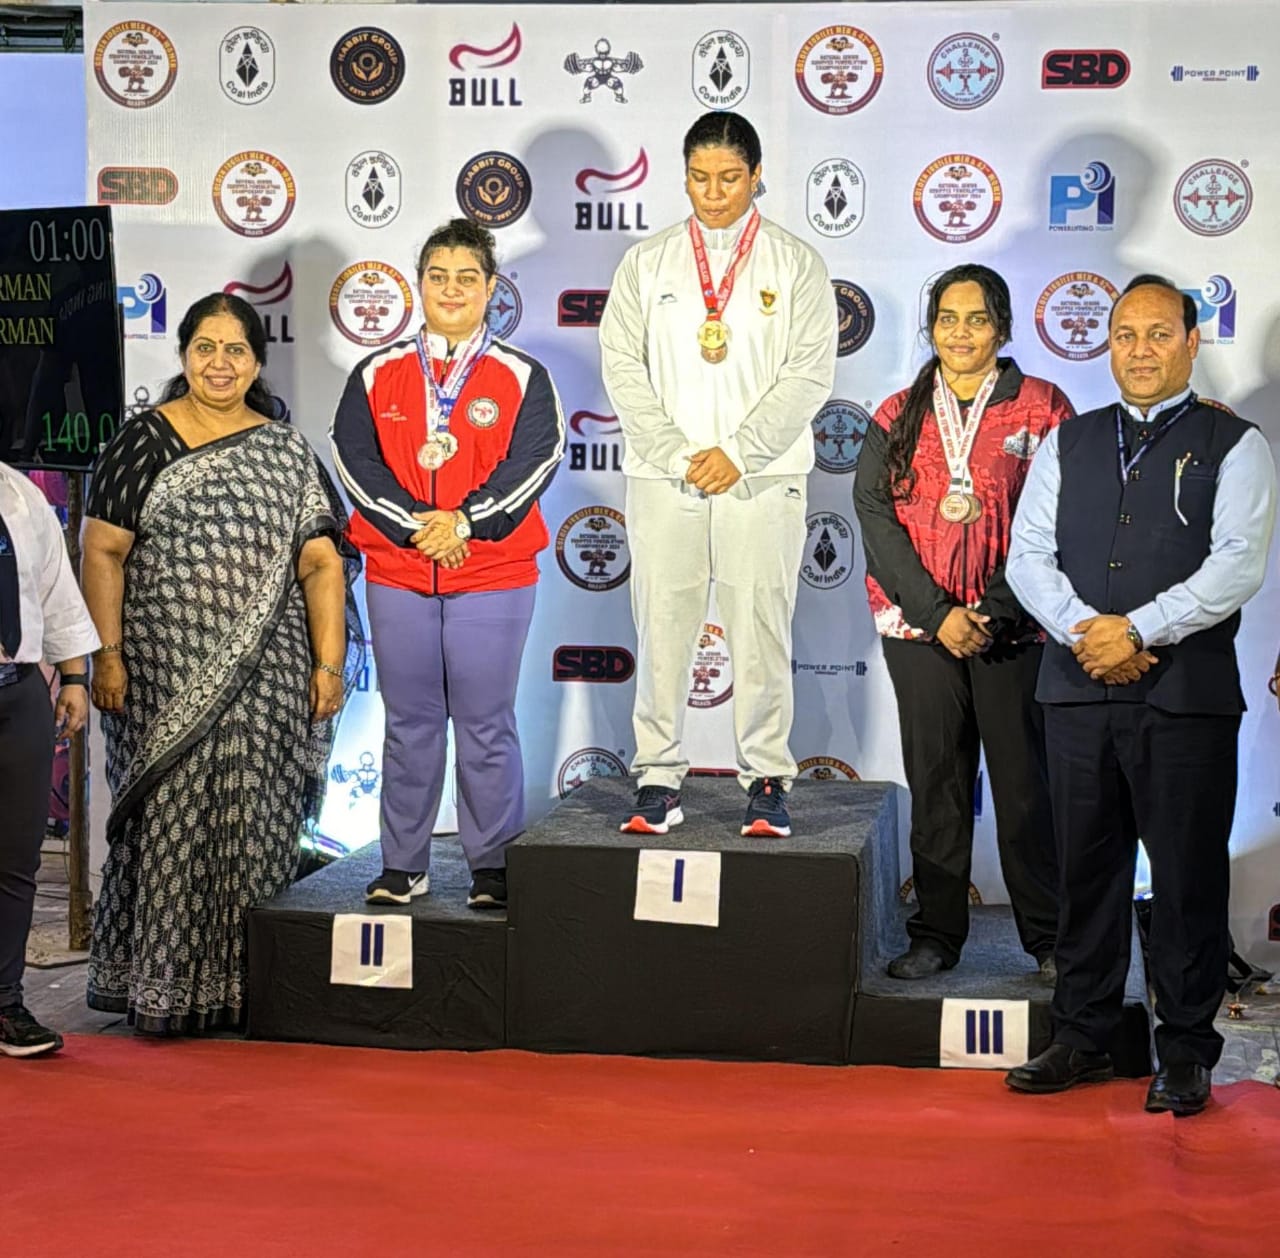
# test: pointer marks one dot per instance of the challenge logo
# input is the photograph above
(957, 198)
(505, 308)
(1084, 67)
(373, 188)
(721, 69)
(254, 193)
(838, 430)
(136, 185)
(606, 215)
(826, 769)
(711, 676)
(596, 445)
(1215, 310)
(828, 552)
(839, 69)
(582, 766)
(484, 89)
(603, 69)
(592, 551)
(1091, 194)
(581, 307)
(494, 189)
(367, 65)
(247, 65)
(370, 303)
(1072, 314)
(135, 64)
(145, 303)
(1241, 74)
(275, 292)
(608, 664)
(1213, 197)
(835, 197)
(856, 316)
(965, 71)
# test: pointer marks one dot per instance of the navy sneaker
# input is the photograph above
(488, 889)
(657, 810)
(767, 815)
(22, 1036)
(394, 886)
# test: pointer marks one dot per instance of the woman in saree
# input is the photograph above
(213, 574)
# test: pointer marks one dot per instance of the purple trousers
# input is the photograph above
(445, 657)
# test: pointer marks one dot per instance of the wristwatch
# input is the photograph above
(462, 526)
(74, 679)
(1134, 636)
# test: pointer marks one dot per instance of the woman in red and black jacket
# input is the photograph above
(938, 480)
(445, 443)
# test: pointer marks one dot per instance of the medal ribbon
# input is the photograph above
(958, 434)
(714, 301)
(1128, 464)
(443, 395)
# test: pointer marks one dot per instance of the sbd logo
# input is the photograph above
(581, 307)
(1094, 189)
(1084, 67)
(592, 663)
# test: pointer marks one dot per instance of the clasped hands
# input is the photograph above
(712, 471)
(1105, 652)
(438, 540)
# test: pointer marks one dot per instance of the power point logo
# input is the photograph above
(711, 676)
(136, 185)
(135, 64)
(828, 551)
(1213, 197)
(581, 307)
(582, 766)
(254, 193)
(275, 292)
(839, 69)
(1085, 202)
(603, 69)
(966, 71)
(475, 86)
(595, 444)
(505, 307)
(247, 65)
(1215, 310)
(494, 189)
(835, 197)
(611, 665)
(838, 430)
(1192, 74)
(373, 188)
(1084, 68)
(957, 198)
(721, 70)
(367, 65)
(856, 317)
(592, 550)
(1072, 314)
(370, 303)
(144, 304)
(826, 769)
(606, 214)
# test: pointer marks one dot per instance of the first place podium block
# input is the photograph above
(699, 942)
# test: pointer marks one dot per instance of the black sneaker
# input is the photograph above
(22, 1036)
(394, 886)
(657, 810)
(767, 815)
(488, 889)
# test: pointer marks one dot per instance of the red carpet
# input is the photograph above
(120, 1146)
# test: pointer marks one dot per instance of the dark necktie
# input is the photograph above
(10, 610)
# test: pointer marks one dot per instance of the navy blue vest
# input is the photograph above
(1122, 544)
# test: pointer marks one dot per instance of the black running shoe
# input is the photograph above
(657, 810)
(22, 1036)
(394, 886)
(767, 815)
(488, 889)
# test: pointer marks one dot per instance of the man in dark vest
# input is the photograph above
(1142, 530)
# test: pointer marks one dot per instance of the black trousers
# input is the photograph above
(946, 707)
(26, 770)
(1120, 771)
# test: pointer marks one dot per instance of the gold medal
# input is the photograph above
(713, 338)
(960, 508)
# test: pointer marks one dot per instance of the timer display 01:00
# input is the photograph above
(75, 432)
(82, 241)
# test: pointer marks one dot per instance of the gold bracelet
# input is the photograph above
(110, 648)
(328, 668)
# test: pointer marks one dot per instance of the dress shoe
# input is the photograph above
(922, 959)
(1182, 1088)
(1060, 1067)
(1049, 970)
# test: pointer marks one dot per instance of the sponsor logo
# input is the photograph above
(825, 769)
(965, 71)
(494, 189)
(611, 664)
(590, 762)
(274, 292)
(365, 778)
(711, 676)
(254, 193)
(247, 65)
(597, 447)
(1089, 196)
(1215, 310)
(581, 307)
(957, 198)
(505, 307)
(1213, 197)
(370, 303)
(1194, 74)
(1072, 314)
(611, 215)
(136, 185)
(471, 88)
(721, 69)
(135, 64)
(1021, 444)
(856, 316)
(373, 188)
(829, 668)
(145, 308)
(367, 65)
(1084, 67)
(482, 412)
(835, 197)
(828, 551)
(602, 69)
(838, 430)
(591, 549)
(839, 69)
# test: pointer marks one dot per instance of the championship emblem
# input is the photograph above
(839, 69)
(370, 303)
(828, 552)
(711, 676)
(591, 549)
(1072, 315)
(838, 430)
(367, 65)
(721, 70)
(373, 188)
(254, 193)
(1213, 197)
(494, 189)
(835, 196)
(247, 65)
(135, 64)
(826, 769)
(965, 71)
(603, 70)
(957, 198)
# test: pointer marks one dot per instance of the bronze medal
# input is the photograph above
(955, 508)
(975, 509)
(430, 455)
(713, 339)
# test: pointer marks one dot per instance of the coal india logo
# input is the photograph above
(721, 69)
(135, 64)
(835, 197)
(494, 189)
(592, 550)
(828, 551)
(373, 188)
(247, 65)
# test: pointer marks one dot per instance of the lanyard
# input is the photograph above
(714, 301)
(1128, 464)
(958, 434)
(442, 396)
